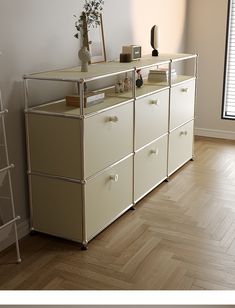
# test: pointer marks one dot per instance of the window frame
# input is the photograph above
(223, 116)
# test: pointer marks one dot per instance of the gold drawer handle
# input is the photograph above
(114, 178)
(185, 133)
(113, 119)
(155, 102)
(185, 90)
(154, 152)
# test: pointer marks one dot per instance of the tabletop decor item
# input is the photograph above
(90, 99)
(85, 57)
(139, 80)
(161, 75)
(155, 40)
(133, 50)
(127, 83)
(97, 46)
(125, 57)
(89, 18)
(119, 86)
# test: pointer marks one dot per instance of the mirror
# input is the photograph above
(97, 46)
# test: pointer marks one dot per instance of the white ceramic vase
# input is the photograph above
(85, 56)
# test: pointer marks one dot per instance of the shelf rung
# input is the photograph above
(3, 173)
(2, 112)
(10, 222)
(5, 198)
(7, 168)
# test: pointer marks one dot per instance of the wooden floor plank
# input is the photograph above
(180, 237)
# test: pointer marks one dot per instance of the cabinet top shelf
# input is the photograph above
(99, 70)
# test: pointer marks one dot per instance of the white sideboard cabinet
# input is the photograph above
(87, 165)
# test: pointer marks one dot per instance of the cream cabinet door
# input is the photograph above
(180, 146)
(182, 104)
(150, 167)
(107, 196)
(151, 119)
(108, 138)
(54, 144)
(57, 207)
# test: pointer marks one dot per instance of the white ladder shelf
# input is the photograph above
(6, 171)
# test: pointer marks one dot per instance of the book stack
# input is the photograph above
(161, 75)
(90, 99)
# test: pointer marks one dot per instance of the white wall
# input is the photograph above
(169, 15)
(38, 35)
(206, 35)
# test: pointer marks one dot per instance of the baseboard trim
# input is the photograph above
(23, 230)
(213, 133)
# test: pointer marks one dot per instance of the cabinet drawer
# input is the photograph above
(107, 196)
(180, 146)
(182, 104)
(57, 207)
(108, 138)
(150, 167)
(151, 118)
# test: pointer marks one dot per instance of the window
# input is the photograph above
(229, 78)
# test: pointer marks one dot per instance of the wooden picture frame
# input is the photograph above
(97, 46)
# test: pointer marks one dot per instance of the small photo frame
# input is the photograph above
(97, 46)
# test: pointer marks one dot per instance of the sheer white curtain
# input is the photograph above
(229, 86)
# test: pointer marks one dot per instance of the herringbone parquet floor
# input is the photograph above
(181, 236)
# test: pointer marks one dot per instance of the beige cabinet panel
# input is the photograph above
(108, 138)
(150, 167)
(182, 104)
(180, 146)
(107, 196)
(57, 207)
(55, 145)
(151, 118)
